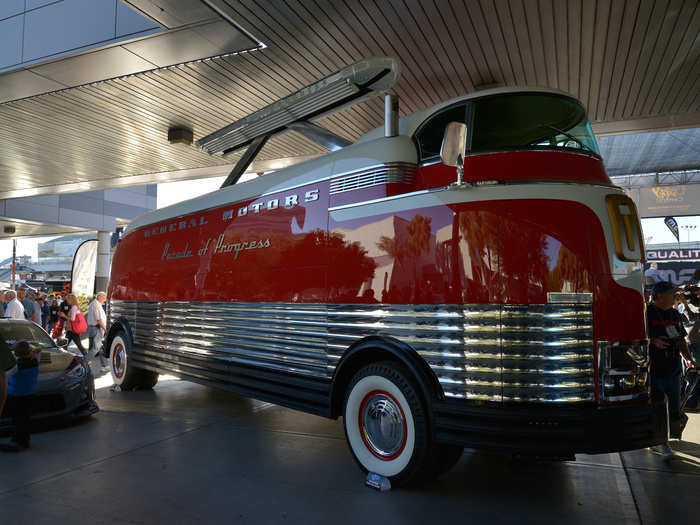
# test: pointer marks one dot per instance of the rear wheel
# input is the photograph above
(126, 375)
(386, 425)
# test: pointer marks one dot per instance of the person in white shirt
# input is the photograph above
(14, 309)
(97, 326)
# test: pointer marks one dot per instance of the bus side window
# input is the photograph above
(430, 134)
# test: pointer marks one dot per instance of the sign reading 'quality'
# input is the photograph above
(678, 255)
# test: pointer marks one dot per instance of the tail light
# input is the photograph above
(623, 370)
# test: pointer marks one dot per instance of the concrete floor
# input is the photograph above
(188, 454)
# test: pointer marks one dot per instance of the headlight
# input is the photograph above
(623, 370)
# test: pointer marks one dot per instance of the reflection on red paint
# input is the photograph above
(497, 252)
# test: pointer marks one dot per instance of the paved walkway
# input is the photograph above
(186, 454)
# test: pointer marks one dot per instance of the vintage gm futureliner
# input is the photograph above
(466, 276)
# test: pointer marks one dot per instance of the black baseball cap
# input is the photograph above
(663, 287)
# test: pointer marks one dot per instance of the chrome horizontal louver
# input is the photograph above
(400, 173)
(534, 353)
(547, 353)
(287, 338)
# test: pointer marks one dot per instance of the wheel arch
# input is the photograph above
(117, 324)
(382, 348)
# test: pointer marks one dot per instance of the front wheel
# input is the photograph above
(386, 425)
(124, 374)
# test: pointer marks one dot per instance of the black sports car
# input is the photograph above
(66, 386)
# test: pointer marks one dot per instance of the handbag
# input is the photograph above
(79, 324)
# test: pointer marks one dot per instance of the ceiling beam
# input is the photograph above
(641, 125)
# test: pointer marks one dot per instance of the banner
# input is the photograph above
(674, 254)
(661, 201)
(673, 226)
(83, 273)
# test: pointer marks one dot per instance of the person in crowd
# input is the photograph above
(36, 316)
(53, 315)
(692, 314)
(667, 338)
(15, 309)
(7, 363)
(72, 302)
(21, 387)
(40, 307)
(653, 275)
(45, 312)
(678, 302)
(63, 311)
(27, 303)
(97, 326)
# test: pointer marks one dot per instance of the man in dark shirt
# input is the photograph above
(63, 313)
(667, 337)
(53, 316)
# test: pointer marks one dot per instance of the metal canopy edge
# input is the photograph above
(349, 85)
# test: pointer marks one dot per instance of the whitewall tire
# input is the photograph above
(386, 425)
(118, 358)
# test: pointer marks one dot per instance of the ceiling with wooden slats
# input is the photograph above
(625, 59)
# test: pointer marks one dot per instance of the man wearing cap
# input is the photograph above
(667, 344)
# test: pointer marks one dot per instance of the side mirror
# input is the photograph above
(454, 145)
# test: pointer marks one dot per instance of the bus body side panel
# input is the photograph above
(267, 249)
(454, 282)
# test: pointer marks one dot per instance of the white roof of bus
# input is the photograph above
(371, 149)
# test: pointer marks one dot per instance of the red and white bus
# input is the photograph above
(466, 276)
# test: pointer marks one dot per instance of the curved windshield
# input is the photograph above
(529, 121)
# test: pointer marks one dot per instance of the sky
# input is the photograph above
(655, 231)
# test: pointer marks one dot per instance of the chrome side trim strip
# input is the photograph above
(562, 297)
(532, 353)
(390, 198)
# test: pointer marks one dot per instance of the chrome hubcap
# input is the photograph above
(119, 360)
(383, 425)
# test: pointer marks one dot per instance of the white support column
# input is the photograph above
(103, 261)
